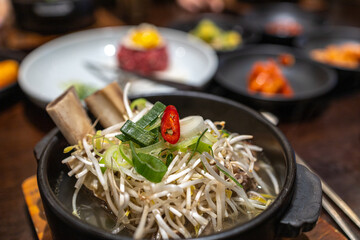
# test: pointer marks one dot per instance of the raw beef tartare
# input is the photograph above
(143, 51)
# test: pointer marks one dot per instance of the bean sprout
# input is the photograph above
(196, 196)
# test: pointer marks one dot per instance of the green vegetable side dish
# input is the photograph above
(217, 38)
(82, 89)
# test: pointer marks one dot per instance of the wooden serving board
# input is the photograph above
(322, 231)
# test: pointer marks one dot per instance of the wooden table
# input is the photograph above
(329, 143)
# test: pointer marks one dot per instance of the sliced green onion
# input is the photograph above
(151, 115)
(150, 167)
(212, 152)
(103, 169)
(122, 138)
(211, 137)
(97, 142)
(138, 104)
(231, 177)
(169, 159)
(225, 133)
(97, 138)
(197, 145)
(138, 134)
(183, 145)
(112, 158)
(201, 147)
(191, 143)
(124, 156)
(151, 148)
(156, 132)
(154, 124)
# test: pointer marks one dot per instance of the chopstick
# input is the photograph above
(339, 202)
(99, 68)
(328, 192)
(337, 218)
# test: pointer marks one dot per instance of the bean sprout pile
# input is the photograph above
(200, 193)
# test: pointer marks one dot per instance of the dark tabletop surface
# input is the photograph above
(329, 142)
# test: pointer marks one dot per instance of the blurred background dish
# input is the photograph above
(281, 23)
(9, 63)
(47, 71)
(309, 82)
(219, 31)
(330, 42)
(52, 17)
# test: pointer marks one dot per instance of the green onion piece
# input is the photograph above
(210, 137)
(111, 156)
(197, 145)
(151, 115)
(113, 159)
(139, 104)
(156, 132)
(150, 167)
(169, 159)
(183, 145)
(156, 147)
(155, 124)
(202, 147)
(231, 177)
(122, 138)
(97, 142)
(225, 133)
(212, 152)
(124, 156)
(191, 143)
(103, 169)
(138, 134)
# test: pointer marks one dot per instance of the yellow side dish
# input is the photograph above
(344, 55)
(216, 37)
(8, 72)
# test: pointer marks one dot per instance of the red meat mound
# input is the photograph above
(143, 62)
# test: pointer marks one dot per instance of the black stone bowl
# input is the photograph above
(11, 91)
(311, 82)
(225, 22)
(53, 17)
(263, 14)
(296, 208)
(349, 78)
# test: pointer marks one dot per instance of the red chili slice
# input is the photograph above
(170, 125)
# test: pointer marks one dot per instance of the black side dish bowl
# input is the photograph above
(53, 17)
(349, 78)
(11, 90)
(224, 22)
(262, 15)
(295, 210)
(311, 82)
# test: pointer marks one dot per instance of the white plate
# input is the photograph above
(48, 70)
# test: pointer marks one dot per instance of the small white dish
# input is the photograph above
(48, 70)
